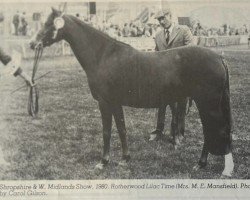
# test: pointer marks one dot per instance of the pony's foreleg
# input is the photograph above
(120, 124)
(106, 114)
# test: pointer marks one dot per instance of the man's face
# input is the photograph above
(166, 20)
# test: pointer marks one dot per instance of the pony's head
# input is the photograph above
(51, 32)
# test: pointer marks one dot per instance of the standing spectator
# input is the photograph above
(118, 31)
(171, 36)
(146, 31)
(139, 30)
(15, 21)
(198, 30)
(245, 29)
(133, 30)
(126, 30)
(104, 26)
(225, 29)
(24, 25)
(237, 32)
(112, 32)
(248, 40)
(12, 29)
(79, 16)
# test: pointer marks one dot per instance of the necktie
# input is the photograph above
(167, 35)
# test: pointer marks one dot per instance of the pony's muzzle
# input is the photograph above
(35, 45)
(32, 44)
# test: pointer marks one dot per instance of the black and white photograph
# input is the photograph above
(111, 90)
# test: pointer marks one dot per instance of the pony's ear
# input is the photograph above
(55, 11)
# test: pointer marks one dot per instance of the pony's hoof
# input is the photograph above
(229, 166)
(196, 167)
(155, 135)
(102, 164)
(123, 163)
(99, 166)
(126, 158)
(177, 145)
(178, 141)
(226, 174)
(200, 165)
(152, 137)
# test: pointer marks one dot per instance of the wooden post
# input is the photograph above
(23, 48)
(63, 48)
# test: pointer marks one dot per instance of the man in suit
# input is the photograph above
(16, 21)
(171, 36)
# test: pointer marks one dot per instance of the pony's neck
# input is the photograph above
(88, 44)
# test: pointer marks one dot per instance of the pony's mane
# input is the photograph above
(94, 30)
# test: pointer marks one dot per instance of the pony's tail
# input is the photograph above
(225, 100)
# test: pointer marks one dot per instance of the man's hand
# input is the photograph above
(27, 79)
(29, 83)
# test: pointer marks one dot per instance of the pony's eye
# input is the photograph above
(48, 24)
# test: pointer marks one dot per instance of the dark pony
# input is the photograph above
(119, 75)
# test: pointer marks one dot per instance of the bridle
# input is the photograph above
(33, 104)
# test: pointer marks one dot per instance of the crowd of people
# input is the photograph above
(132, 29)
(139, 29)
(128, 29)
(224, 30)
(21, 27)
(19, 24)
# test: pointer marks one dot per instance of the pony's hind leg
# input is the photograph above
(216, 129)
(106, 114)
(229, 165)
(120, 124)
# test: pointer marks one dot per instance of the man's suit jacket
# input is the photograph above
(180, 36)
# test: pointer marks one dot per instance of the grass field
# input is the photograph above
(65, 141)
